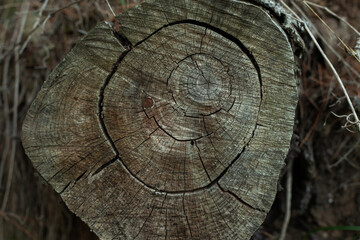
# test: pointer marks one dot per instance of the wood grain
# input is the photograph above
(175, 127)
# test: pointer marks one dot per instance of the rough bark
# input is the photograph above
(174, 127)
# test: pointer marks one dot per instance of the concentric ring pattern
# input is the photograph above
(205, 96)
(176, 126)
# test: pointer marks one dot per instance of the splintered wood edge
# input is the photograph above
(66, 131)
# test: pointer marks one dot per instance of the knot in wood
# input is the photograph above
(147, 103)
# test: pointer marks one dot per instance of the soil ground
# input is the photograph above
(325, 155)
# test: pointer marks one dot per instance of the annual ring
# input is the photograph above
(199, 91)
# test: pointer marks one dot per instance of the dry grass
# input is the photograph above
(329, 106)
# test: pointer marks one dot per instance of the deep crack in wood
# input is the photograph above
(174, 127)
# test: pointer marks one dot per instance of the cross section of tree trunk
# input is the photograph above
(174, 127)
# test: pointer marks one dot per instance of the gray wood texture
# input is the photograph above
(175, 127)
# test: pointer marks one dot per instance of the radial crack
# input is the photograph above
(64, 189)
(187, 219)
(202, 162)
(152, 209)
(105, 165)
(79, 177)
(123, 40)
(239, 199)
(202, 39)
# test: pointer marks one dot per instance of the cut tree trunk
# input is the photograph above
(175, 126)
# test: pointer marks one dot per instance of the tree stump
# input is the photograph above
(176, 126)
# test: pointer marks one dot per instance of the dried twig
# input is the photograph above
(9, 5)
(313, 127)
(303, 19)
(357, 121)
(348, 49)
(348, 183)
(357, 46)
(112, 11)
(288, 200)
(40, 24)
(354, 114)
(334, 14)
(3, 36)
(16, 224)
(353, 148)
(14, 141)
(52, 14)
(36, 24)
(6, 116)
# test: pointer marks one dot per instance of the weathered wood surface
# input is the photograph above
(176, 127)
